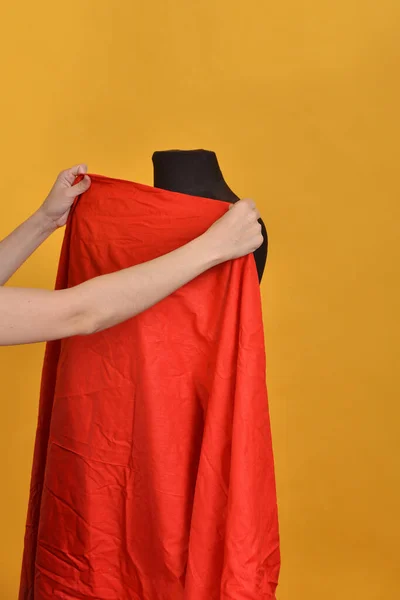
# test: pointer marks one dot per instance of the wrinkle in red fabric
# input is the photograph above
(153, 474)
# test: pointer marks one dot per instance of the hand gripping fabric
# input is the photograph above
(153, 474)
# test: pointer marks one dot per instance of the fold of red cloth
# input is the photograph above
(153, 474)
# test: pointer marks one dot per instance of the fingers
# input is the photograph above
(251, 208)
(250, 203)
(78, 170)
(69, 175)
(259, 241)
(80, 188)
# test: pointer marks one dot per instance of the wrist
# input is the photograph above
(45, 224)
(210, 249)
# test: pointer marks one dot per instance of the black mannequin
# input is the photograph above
(197, 173)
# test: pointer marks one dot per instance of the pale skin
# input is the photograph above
(36, 315)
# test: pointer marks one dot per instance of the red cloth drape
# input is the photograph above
(153, 475)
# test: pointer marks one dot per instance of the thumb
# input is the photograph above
(78, 169)
(82, 169)
(81, 187)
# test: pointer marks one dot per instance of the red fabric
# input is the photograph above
(153, 474)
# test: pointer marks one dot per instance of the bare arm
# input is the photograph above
(21, 243)
(29, 315)
(37, 315)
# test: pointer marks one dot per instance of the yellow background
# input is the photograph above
(300, 100)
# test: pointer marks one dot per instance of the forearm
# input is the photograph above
(113, 298)
(29, 316)
(21, 243)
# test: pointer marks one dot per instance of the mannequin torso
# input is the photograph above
(197, 173)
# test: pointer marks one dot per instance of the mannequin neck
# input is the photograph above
(192, 172)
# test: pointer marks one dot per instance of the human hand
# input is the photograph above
(55, 209)
(237, 232)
